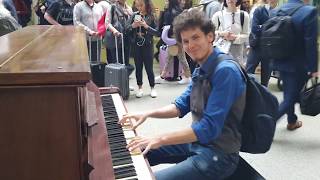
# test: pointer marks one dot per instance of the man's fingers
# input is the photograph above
(146, 150)
(135, 125)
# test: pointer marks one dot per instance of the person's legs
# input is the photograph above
(147, 56)
(252, 61)
(292, 85)
(205, 164)
(169, 154)
(111, 55)
(182, 58)
(127, 49)
(138, 61)
(166, 66)
(265, 71)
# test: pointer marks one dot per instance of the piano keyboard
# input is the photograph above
(126, 165)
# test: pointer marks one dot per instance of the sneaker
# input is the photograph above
(153, 93)
(184, 81)
(139, 93)
(159, 80)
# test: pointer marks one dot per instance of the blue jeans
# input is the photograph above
(293, 82)
(194, 162)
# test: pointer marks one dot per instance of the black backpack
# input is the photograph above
(258, 122)
(278, 39)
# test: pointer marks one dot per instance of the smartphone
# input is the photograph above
(137, 17)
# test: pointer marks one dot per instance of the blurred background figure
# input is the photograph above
(9, 5)
(7, 22)
(23, 8)
(40, 9)
(60, 12)
(86, 14)
(245, 6)
(142, 27)
(211, 7)
(232, 29)
(115, 22)
(260, 16)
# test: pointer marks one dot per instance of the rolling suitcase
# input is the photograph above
(175, 69)
(96, 66)
(116, 74)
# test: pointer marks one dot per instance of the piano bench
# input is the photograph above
(245, 171)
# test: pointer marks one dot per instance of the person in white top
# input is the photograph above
(86, 14)
(231, 30)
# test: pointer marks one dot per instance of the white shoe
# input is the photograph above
(153, 93)
(184, 81)
(158, 80)
(139, 93)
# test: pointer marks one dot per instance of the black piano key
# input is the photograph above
(120, 154)
(125, 171)
(117, 139)
(126, 174)
(116, 144)
(116, 148)
(122, 162)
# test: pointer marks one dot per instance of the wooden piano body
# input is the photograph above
(44, 110)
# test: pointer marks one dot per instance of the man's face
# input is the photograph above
(197, 44)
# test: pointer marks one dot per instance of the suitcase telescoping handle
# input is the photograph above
(98, 46)
(116, 42)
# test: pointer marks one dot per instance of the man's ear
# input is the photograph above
(211, 37)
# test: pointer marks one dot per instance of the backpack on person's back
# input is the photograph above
(278, 36)
(258, 122)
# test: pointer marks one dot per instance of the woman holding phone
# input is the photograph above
(142, 27)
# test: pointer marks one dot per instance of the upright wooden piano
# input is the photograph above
(53, 121)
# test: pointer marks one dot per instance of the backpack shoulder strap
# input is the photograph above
(295, 9)
(219, 22)
(220, 58)
(241, 69)
(242, 18)
(112, 13)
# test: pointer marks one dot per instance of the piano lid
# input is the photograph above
(44, 55)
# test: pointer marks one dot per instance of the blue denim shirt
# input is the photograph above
(227, 85)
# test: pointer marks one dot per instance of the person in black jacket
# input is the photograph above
(142, 27)
(260, 16)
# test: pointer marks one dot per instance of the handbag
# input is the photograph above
(101, 27)
(310, 98)
(173, 50)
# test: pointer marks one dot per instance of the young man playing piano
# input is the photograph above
(209, 148)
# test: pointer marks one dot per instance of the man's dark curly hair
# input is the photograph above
(190, 19)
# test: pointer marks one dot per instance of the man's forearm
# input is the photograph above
(169, 111)
(178, 137)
